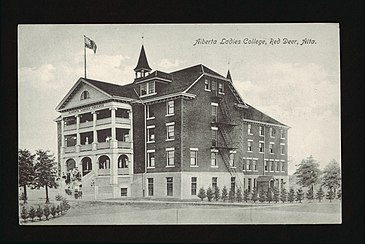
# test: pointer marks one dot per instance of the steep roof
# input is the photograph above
(114, 89)
(252, 113)
(142, 61)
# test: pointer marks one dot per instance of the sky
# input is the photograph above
(298, 85)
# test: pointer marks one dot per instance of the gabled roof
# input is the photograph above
(155, 74)
(252, 113)
(114, 89)
(142, 61)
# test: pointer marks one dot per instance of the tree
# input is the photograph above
(254, 196)
(308, 173)
(300, 195)
(291, 195)
(216, 193)
(224, 193)
(283, 195)
(239, 195)
(310, 194)
(320, 194)
(330, 194)
(332, 176)
(209, 194)
(262, 196)
(45, 171)
(276, 195)
(246, 195)
(202, 194)
(25, 170)
(339, 194)
(231, 194)
(269, 195)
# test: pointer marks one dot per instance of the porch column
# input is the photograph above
(113, 141)
(95, 135)
(77, 133)
(131, 160)
(62, 149)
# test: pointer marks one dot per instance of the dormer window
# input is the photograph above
(147, 88)
(85, 95)
(220, 88)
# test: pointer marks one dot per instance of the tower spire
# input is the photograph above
(228, 73)
(142, 69)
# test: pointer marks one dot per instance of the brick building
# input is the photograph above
(167, 135)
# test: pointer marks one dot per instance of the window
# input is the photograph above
(282, 149)
(123, 192)
(214, 183)
(150, 112)
(214, 112)
(193, 185)
(143, 89)
(150, 186)
(231, 160)
(170, 186)
(151, 134)
(193, 157)
(249, 184)
(85, 95)
(265, 166)
(271, 166)
(254, 183)
(249, 129)
(249, 146)
(170, 108)
(282, 134)
(170, 155)
(271, 148)
(282, 184)
(261, 147)
(220, 88)
(278, 166)
(233, 183)
(151, 158)
(282, 166)
(123, 162)
(272, 132)
(261, 131)
(248, 162)
(214, 136)
(170, 131)
(254, 164)
(207, 85)
(147, 88)
(213, 159)
(214, 85)
(243, 165)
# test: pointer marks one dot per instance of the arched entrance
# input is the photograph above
(104, 162)
(70, 164)
(123, 161)
(86, 165)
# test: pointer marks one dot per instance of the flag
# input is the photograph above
(90, 43)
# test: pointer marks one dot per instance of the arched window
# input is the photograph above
(104, 162)
(123, 161)
(70, 164)
(85, 95)
(86, 165)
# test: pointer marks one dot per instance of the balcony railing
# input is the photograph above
(70, 149)
(123, 121)
(103, 145)
(103, 121)
(123, 171)
(86, 124)
(123, 144)
(87, 147)
(70, 127)
(104, 172)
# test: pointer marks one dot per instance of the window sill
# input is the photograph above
(261, 135)
(233, 167)
(168, 115)
(250, 151)
(170, 166)
(207, 90)
(250, 134)
(272, 153)
(222, 93)
(151, 167)
(170, 139)
(151, 141)
(194, 166)
(212, 166)
(262, 152)
(146, 95)
(150, 118)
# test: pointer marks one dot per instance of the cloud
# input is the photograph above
(42, 77)
(165, 63)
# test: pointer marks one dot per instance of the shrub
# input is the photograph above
(62, 208)
(68, 192)
(53, 211)
(231, 194)
(202, 194)
(58, 209)
(59, 197)
(339, 194)
(320, 194)
(254, 196)
(65, 204)
(310, 194)
(276, 195)
(22, 196)
(209, 194)
(283, 195)
(39, 212)
(291, 195)
(269, 195)
(216, 193)
(300, 195)
(46, 211)
(239, 195)
(246, 195)
(224, 193)
(24, 213)
(262, 196)
(32, 213)
(330, 194)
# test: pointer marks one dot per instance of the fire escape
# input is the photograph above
(225, 127)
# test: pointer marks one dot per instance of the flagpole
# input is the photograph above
(84, 57)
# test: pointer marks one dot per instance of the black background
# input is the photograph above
(348, 13)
